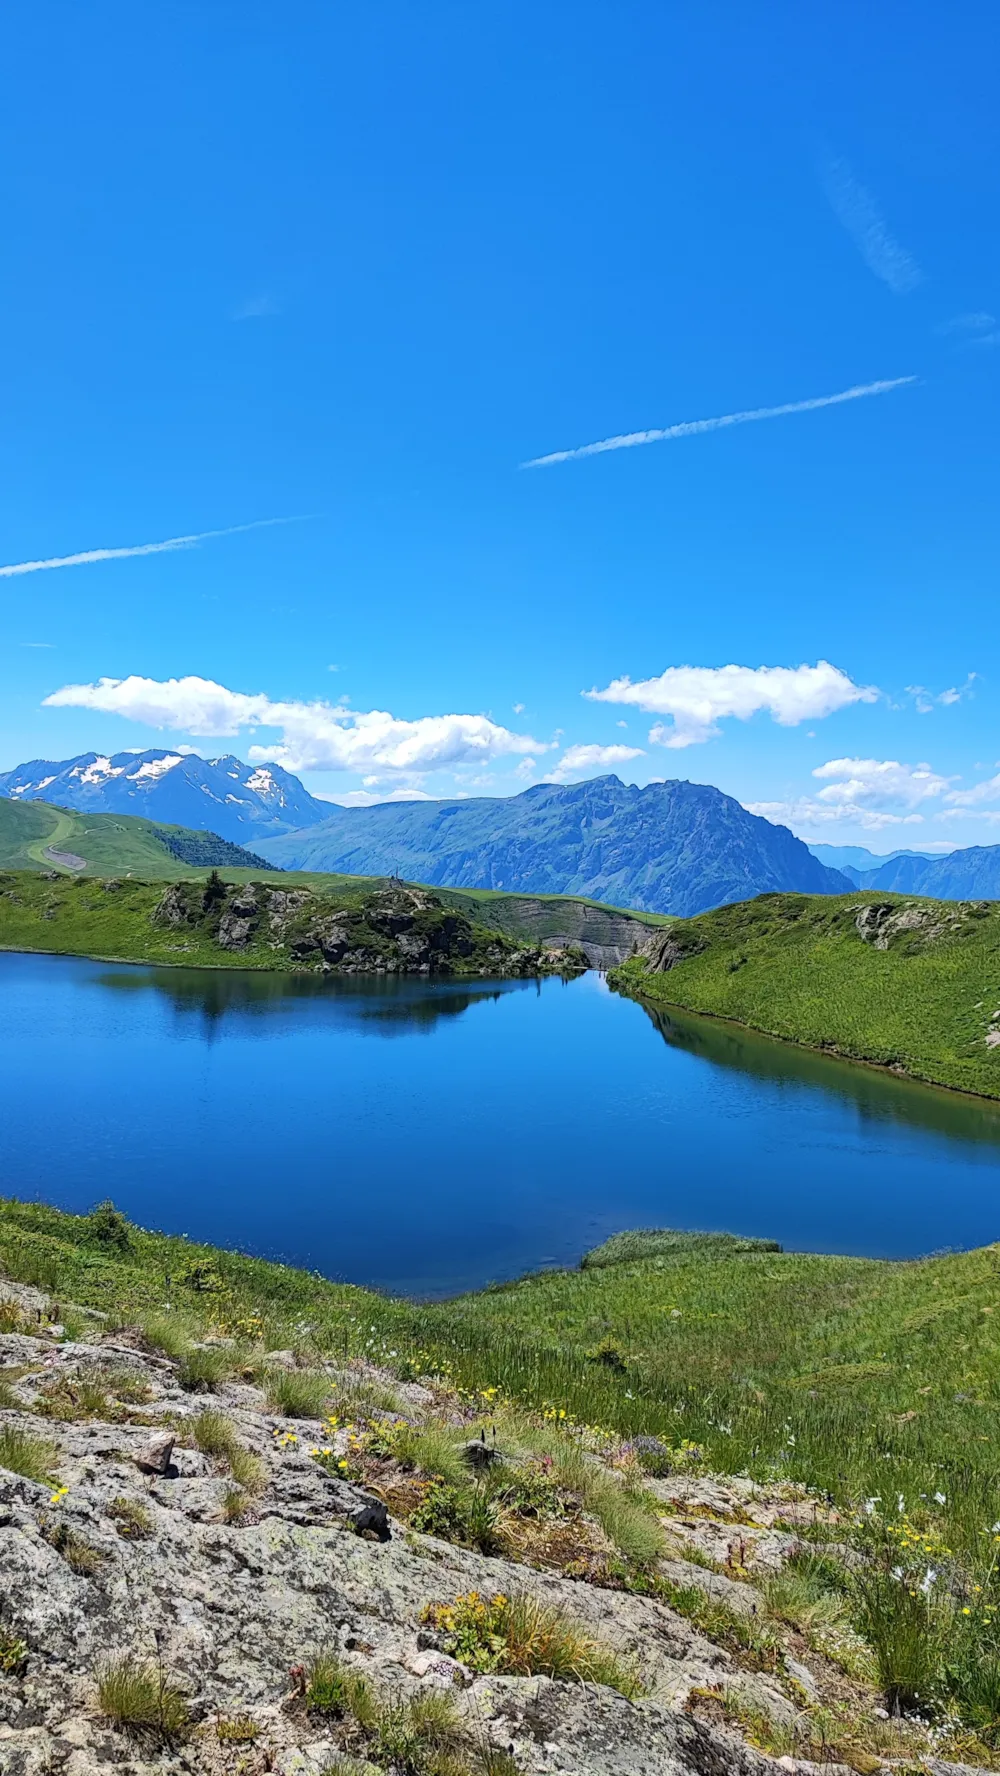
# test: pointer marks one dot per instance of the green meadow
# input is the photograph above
(796, 966)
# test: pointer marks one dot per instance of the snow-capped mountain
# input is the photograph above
(221, 795)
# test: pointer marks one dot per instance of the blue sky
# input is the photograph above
(354, 266)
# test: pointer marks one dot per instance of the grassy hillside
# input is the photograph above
(38, 836)
(908, 984)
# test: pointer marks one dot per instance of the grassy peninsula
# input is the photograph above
(874, 1385)
(906, 983)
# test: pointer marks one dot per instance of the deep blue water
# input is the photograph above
(431, 1136)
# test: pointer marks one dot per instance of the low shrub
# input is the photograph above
(235, 1504)
(32, 1457)
(298, 1393)
(78, 1554)
(107, 1227)
(520, 1637)
(214, 1433)
(333, 1689)
(11, 1315)
(9, 1401)
(237, 1729)
(128, 1385)
(467, 1514)
(135, 1693)
(422, 1735)
(216, 1436)
(73, 1398)
(364, 1399)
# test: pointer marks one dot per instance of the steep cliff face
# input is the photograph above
(678, 848)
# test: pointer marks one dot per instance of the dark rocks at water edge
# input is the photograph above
(676, 847)
(390, 929)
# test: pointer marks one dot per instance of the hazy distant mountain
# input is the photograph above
(669, 847)
(221, 795)
(857, 863)
(972, 873)
(969, 874)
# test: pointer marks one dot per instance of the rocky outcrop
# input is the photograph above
(879, 922)
(389, 928)
(131, 1555)
(134, 1549)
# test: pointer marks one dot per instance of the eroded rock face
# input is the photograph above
(665, 951)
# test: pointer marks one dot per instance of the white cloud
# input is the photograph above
(316, 736)
(689, 428)
(925, 700)
(981, 792)
(518, 708)
(979, 322)
(870, 793)
(858, 212)
(591, 758)
(89, 555)
(805, 814)
(878, 782)
(696, 698)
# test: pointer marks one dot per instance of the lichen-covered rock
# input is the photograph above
(229, 1606)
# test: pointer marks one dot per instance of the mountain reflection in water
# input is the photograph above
(875, 1093)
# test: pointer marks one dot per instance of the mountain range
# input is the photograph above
(220, 795)
(666, 848)
(674, 847)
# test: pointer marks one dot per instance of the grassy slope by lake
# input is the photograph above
(796, 966)
(859, 1376)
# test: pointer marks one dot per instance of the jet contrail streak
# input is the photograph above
(88, 555)
(687, 428)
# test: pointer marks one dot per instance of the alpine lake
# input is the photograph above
(430, 1136)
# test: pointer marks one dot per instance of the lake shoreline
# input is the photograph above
(905, 1075)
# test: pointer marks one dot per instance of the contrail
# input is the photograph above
(627, 440)
(187, 542)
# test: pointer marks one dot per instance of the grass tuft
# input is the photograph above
(131, 1519)
(298, 1393)
(135, 1693)
(32, 1457)
(203, 1367)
